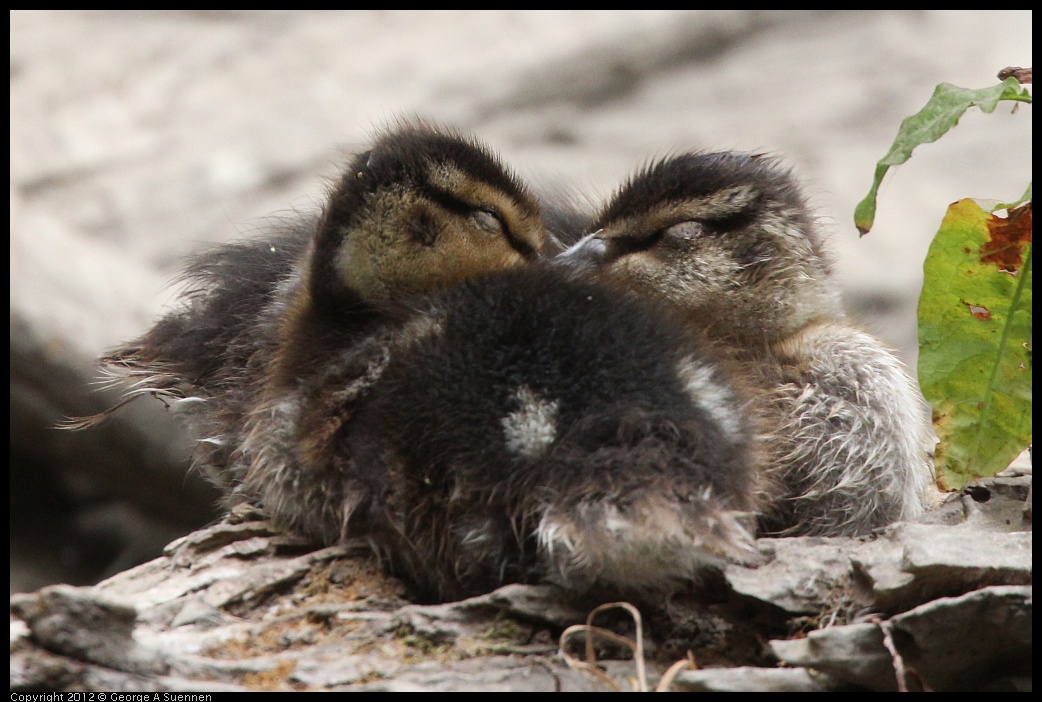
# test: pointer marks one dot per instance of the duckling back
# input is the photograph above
(543, 428)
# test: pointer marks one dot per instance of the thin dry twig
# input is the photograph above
(895, 657)
(589, 666)
(674, 670)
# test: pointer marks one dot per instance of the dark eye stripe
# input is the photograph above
(454, 204)
(446, 199)
(623, 245)
(520, 245)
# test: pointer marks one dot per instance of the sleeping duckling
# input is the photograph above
(727, 238)
(278, 339)
(540, 428)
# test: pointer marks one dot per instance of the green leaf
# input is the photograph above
(941, 113)
(975, 340)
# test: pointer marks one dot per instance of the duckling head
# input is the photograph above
(423, 209)
(724, 235)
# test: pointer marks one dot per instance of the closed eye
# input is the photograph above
(487, 221)
(686, 231)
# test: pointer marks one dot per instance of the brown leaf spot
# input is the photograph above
(981, 313)
(1007, 238)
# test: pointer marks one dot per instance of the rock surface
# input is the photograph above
(240, 606)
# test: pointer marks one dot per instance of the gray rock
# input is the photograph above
(853, 654)
(933, 561)
(978, 641)
(242, 606)
(752, 680)
(240, 614)
(960, 547)
(805, 575)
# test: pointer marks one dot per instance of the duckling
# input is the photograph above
(280, 338)
(728, 239)
(545, 430)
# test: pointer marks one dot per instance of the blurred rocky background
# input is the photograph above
(139, 137)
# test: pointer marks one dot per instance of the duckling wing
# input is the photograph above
(206, 357)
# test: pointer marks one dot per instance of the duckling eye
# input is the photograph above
(488, 221)
(685, 231)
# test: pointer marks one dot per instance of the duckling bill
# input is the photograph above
(727, 240)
